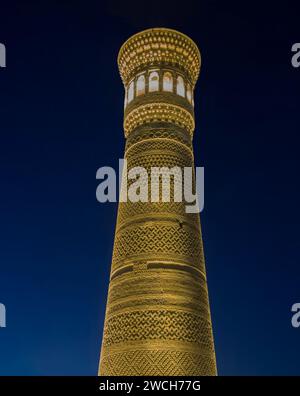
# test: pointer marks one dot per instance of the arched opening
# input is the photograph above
(189, 93)
(153, 81)
(180, 89)
(130, 92)
(168, 82)
(140, 85)
(125, 98)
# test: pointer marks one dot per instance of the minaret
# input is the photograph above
(158, 317)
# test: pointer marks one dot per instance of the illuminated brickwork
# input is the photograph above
(158, 318)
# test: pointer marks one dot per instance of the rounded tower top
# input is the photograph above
(157, 46)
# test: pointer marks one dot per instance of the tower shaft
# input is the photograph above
(158, 317)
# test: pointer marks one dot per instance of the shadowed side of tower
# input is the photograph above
(157, 317)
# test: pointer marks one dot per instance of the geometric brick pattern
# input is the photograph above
(158, 363)
(158, 238)
(156, 324)
(157, 318)
(160, 45)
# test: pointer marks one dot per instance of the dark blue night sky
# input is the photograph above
(61, 104)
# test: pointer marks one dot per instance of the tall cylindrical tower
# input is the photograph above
(158, 318)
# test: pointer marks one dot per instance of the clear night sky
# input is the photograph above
(61, 104)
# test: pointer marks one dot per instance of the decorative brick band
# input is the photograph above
(158, 112)
(155, 46)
